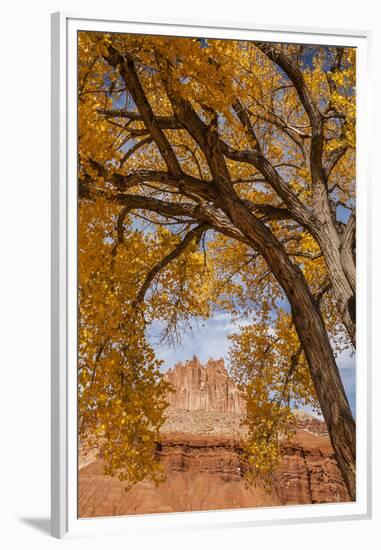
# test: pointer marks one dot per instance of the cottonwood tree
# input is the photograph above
(215, 174)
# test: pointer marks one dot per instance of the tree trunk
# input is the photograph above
(325, 375)
(348, 246)
(313, 337)
(337, 257)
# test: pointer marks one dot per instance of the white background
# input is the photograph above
(25, 271)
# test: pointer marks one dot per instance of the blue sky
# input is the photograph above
(206, 339)
(209, 339)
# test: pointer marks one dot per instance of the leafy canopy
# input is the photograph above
(144, 256)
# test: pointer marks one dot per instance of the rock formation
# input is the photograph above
(204, 388)
(200, 449)
(204, 473)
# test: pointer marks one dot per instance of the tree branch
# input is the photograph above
(133, 150)
(180, 248)
(245, 121)
(333, 159)
(317, 138)
(163, 122)
(202, 212)
(128, 72)
(183, 183)
(295, 206)
(309, 255)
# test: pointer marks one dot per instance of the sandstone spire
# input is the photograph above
(207, 387)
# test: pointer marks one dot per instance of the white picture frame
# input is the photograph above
(65, 521)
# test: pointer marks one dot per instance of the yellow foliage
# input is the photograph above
(268, 364)
(121, 389)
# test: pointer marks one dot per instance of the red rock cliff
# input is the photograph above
(200, 387)
(200, 450)
(204, 473)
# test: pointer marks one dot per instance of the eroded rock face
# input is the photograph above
(203, 387)
(202, 473)
(308, 473)
(200, 450)
(205, 473)
(304, 421)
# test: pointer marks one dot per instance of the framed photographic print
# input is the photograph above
(210, 326)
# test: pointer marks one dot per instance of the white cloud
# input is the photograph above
(206, 339)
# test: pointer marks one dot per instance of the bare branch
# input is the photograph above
(133, 150)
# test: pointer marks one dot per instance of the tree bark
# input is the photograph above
(334, 253)
(348, 251)
(330, 245)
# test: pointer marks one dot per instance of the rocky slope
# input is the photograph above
(200, 450)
